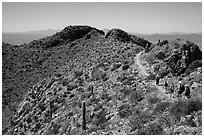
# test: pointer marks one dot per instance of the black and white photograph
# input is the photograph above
(101, 68)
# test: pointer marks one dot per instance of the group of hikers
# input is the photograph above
(181, 88)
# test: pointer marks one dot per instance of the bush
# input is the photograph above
(121, 78)
(151, 77)
(160, 55)
(163, 73)
(151, 129)
(104, 77)
(126, 91)
(185, 107)
(194, 105)
(128, 81)
(124, 111)
(126, 66)
(153, 99)
(138, 119)
(193, 66)
(137, 95)
(78, 73)
(161, 106)
(101, 118)
(164, 42)
(65, 82)
(116, 66)
(96, 74)
(150, 59)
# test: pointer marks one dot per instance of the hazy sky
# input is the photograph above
(132, 17)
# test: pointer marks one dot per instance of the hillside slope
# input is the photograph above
(49, 79)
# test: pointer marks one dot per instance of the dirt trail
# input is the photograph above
(141, 68)
(143, 72)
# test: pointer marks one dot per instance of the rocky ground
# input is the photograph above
(114, 77)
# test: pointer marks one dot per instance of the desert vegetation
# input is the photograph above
(81, 81)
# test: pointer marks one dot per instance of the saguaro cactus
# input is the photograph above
(83, 116)
(92, 88)
(50, 110)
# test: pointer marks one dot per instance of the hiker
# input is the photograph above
(187, 91)
(166, 85)
(158, 43)
(181, 89)
(171, 89)
(157, 79)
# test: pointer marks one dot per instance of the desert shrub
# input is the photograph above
(151, 89)
(193, 66)
(161, 106)
(126, 66)
(179, 109)
(100, 118)
(194, 105)
(164, 42)
(71, 86)
(185, 107)
(128, 81)
(78, 73)
(80, 81)
(160, 55)
(163, 73)
(124, 111)
(96, 74)
(153, 99)
(151, 77)
(86, 76)
(65, 82)
(105, 96)
(58, 75)
(137, 120)
(151, 129)
(116, 66)
(136, 95)
(126, 90)
(150, 59)
(104, 77)
(121, 78)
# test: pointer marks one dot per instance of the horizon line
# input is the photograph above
(9, 32)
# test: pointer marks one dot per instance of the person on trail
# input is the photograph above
(181, 89)
(187, 91)
(166, 85)
(157, 79)
(171, 90)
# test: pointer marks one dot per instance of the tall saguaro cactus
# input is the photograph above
(50, 110)
(92, 90)
(83, 116)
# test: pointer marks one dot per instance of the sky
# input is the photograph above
(133, 17)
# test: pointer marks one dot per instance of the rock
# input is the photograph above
(180, 60)
(194, 85)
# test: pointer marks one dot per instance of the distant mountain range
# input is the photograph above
(194, 37)
(26, 37)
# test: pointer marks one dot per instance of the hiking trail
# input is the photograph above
(144, 73)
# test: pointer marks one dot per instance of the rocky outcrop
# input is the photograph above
(125, 37)
(183, 57)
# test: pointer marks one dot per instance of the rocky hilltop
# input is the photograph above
(67, 35)
(46, 82)
(125, 37)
